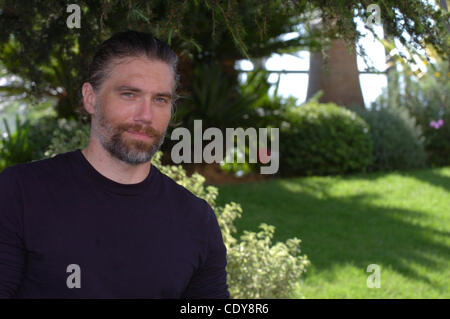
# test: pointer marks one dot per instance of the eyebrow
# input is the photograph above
(137, 90)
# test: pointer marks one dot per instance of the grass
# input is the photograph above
(399, 221)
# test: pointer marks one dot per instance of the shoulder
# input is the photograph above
(8, 178)
(39, 170)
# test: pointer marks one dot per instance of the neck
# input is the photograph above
(114, 168)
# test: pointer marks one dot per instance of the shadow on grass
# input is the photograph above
(343, 230)
(431, 177)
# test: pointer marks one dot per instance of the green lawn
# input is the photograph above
(399, 221)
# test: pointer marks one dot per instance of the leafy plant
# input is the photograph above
(69, 135)
(397, 144)
(269, 108)
(324, 139)
(14, 146)
(231, 165)
(221, 103)
(425, 97)
(40, 134)
(215, 100)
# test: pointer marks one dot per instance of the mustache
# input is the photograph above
(148, 130)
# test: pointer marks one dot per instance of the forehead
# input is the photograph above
(143, 73)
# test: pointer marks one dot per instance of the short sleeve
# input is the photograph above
(12, 250)
(210, 280)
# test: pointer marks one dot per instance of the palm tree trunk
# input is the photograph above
(340, 80)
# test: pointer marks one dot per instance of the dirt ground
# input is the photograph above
(214, 175)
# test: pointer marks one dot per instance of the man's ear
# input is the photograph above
(88, 97)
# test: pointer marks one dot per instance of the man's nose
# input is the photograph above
(144, 111)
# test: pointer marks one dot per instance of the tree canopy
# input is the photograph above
(50, 59)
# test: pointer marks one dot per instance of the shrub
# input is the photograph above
(69, 135)
(255, 267)
(33, 137)
(215, 99)
(426, 99)
(397, 144)
(40, 134)
(14, 146)
(437, 139)
(324, 139)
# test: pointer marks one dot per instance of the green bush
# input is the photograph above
(215, 99)
(255, 267)
(324, 139)
(40, 134)
(268, 108)
(397, 144)
(31, 139)
(426, 99)
(14, 146)
(437, 140)
(219, 102)
(69, 135)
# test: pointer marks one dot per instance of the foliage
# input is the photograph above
(425, 96)
(40, 134)
(397, 144)
(269, 108)
(69, 135)
(255, 267)
(51, 60)
(15, 147)
(29, 140)
(262, 270)
(323, 139)
(428, 101)
(218, 102)
(230, 162)
(215, 100)
(268, 111)
(253, 107)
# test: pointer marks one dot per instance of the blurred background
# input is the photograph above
(358, 89)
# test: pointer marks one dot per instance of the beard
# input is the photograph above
(130, 151)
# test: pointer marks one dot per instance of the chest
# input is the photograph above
(111, 249)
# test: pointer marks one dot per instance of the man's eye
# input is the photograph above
(161, 99)
(128, 94)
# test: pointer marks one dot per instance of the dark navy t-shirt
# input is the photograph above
(67, 231)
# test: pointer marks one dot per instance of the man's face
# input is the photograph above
(136, 97)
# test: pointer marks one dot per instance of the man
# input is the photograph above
(102, 222)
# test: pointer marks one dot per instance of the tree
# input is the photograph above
(51, 59)
(339, 82)
(334, 71)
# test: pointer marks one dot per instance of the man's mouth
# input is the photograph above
(139, 134)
